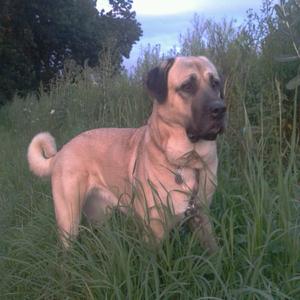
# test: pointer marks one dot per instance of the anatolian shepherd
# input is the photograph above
(171, 160)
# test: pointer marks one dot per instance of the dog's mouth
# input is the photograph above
(207, 136)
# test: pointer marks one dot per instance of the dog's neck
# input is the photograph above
(172, 141)
(161, 129)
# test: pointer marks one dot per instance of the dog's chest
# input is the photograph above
(187, 179)
(186, 184)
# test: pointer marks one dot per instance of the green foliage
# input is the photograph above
(256, 209)
(250, 56)
(289, 16)
(36, 37)
(283, 44)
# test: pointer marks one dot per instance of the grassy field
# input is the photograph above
(256, 208)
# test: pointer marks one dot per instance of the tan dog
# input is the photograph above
(172, 160)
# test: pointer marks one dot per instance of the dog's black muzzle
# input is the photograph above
(209, 124)
(217, 110)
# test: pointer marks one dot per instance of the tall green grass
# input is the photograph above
(256, 210)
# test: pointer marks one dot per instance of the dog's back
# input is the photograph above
(87, 153)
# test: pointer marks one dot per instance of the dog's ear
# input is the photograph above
(157, 80)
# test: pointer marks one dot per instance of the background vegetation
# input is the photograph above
(37, 38)
(256, 209)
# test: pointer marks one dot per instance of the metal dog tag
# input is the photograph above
(178, 178)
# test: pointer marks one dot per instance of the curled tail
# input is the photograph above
(40, 154)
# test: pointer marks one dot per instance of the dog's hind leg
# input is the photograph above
(97, 202)
(67, 205)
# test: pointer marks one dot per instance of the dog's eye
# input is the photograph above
(189, 87)
(214, 82)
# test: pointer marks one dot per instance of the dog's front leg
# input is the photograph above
(156, 225)
(199, 222)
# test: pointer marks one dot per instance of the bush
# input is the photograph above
(256, 207)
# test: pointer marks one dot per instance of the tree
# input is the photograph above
(37, 36)
(289, 32)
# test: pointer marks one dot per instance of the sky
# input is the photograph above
(163, 21)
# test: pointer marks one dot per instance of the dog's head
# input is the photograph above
(189, 94)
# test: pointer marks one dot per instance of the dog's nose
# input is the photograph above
(217, 109)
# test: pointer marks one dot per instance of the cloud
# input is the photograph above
(176, 7)
(160, 29)
(153, 25)
(166, 7)
(164, 20)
